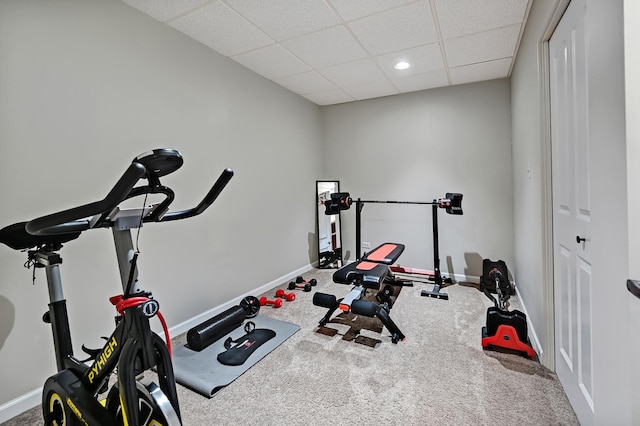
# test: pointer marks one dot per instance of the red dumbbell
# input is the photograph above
(276, 303)
(290, 297)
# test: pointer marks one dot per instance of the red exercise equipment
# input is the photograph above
(275, 303)
(289, 297)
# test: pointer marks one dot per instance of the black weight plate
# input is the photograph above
(251, 306)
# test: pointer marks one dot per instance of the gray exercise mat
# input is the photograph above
(201, 371)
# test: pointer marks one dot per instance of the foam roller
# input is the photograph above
(204, 334)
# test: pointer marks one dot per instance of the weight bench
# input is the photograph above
(366, 274)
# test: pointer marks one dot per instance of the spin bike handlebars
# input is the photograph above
(151, 166)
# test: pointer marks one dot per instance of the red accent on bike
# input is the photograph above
(121, 304)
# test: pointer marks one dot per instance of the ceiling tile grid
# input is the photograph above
(335, 51)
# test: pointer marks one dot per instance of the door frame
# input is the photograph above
(547, 358)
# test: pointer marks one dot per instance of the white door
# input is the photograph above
(572, 209)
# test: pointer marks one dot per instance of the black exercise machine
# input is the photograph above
(504, 328)
(75, 395)
(452, 203)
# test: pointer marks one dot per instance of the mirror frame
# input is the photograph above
(338, 227)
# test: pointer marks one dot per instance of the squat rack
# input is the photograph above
(452, 203)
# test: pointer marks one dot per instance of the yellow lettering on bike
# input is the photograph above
(102, 359)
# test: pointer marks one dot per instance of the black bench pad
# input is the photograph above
(386, 253)
(368, 274)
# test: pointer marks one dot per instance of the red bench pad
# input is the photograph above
(386, 253)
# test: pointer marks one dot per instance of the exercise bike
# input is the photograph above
(75, 395)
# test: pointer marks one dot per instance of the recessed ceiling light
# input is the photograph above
(402, 65)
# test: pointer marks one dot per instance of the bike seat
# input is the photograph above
(17, 237)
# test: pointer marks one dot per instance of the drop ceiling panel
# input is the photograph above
(371, 90)
(306, 82)
(462, 17)
(327, 47)
(482, 47)
(484, 71)
(397, 29)
(334, 51)
(353, 73)
(354, 9)
(427, 80)
(284, 19)
(222, 29)
(329, 97)
(272, 62)
(163, 10)
(422, 59)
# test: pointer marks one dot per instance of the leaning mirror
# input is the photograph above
(328, 230)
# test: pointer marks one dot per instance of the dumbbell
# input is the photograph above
(305, 286)
(276, 303)
(312, 281)
(290, 297)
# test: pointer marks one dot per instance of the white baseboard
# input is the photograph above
(21, 404)
(192, 322)
(31, 399)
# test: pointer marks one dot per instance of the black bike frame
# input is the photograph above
(132, 347)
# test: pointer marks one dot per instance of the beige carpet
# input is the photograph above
(439, 376)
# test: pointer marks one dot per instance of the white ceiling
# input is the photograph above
(335, 51)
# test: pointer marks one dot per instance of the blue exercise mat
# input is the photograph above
(203, 373)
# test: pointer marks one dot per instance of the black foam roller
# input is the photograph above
(204, 334)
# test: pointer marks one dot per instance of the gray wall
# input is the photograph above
(85, 86)
(530, 174)
(611, 333)
(417, 147)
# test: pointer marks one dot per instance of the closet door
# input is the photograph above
(572, 210)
